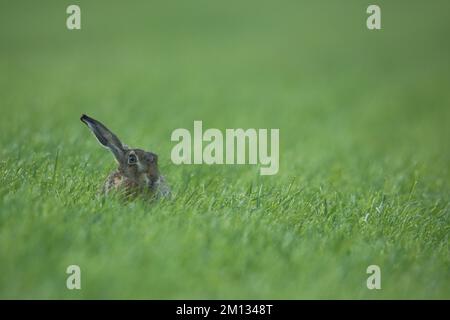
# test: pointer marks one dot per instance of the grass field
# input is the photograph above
(364, 149)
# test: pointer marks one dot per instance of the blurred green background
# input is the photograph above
(364, 149)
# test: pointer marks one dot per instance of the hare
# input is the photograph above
(137, 172)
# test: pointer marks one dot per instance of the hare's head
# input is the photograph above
(136, 164)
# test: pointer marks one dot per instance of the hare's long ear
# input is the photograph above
(106, 137)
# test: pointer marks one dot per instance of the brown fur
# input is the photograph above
(137, 171)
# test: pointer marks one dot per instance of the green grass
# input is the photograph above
(364, 149)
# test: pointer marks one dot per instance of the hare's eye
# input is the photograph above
(132, 159)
